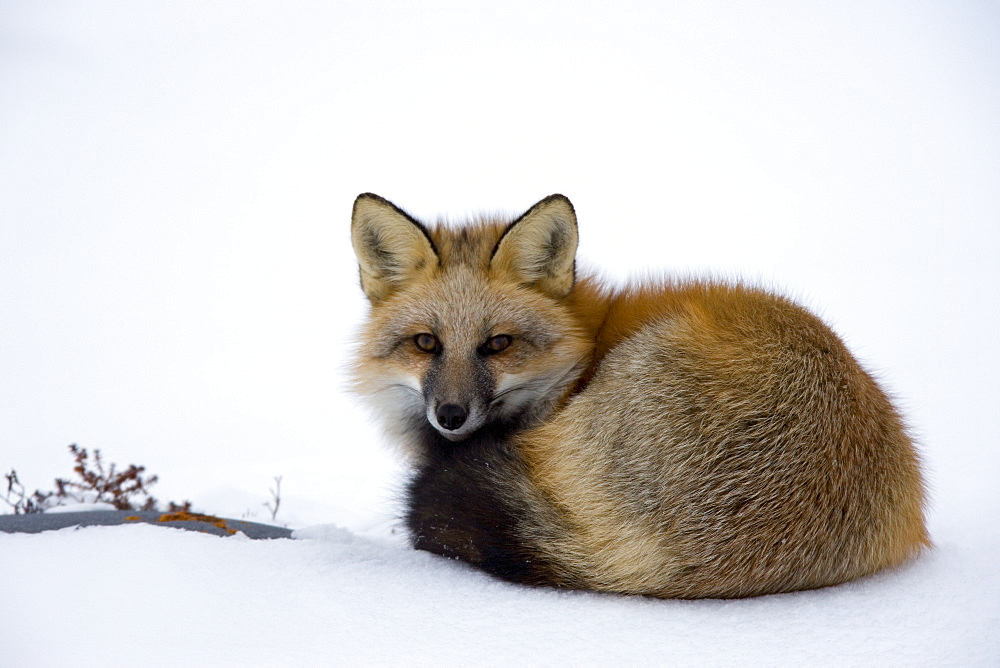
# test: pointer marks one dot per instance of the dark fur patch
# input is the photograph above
(556, 242)
(385, 260)
(459, 505)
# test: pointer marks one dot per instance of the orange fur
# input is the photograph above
(686, 439)
(756, 380)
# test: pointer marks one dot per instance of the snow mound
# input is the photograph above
(182, 598)
(80, 508)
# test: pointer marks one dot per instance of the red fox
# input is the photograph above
(680, 439)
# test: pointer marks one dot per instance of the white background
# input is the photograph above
(176, 281)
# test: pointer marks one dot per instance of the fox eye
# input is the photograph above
(428, 343)
(497, 344)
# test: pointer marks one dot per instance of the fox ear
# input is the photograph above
(392, 248)
(539, 248)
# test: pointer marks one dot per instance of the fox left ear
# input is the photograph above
(392, 247)
(539, 248)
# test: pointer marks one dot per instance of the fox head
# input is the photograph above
(468, 327)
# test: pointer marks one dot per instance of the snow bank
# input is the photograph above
(153, 596)
(80, 508)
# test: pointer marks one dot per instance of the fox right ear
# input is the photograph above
(539, 248)
(391, 247)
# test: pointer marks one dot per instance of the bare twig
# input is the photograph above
(275, 501)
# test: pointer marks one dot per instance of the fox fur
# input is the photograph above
(680, 439)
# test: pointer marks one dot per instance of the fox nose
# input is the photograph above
(451, 416)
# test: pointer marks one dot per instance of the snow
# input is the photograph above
(166, 597)
(178, 290)
(80, 507)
